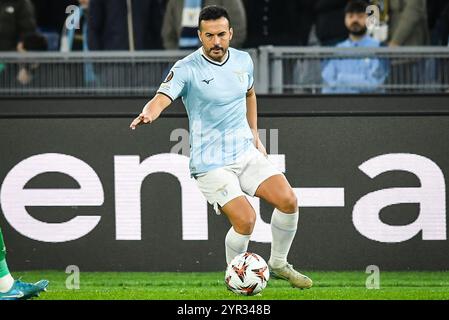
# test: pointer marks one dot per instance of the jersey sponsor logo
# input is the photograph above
(208, 81)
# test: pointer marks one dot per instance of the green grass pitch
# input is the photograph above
(210, 286)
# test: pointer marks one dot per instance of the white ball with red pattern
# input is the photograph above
(247, 274)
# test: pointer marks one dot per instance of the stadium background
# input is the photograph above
(324, 138)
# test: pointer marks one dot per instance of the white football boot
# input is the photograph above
(295, 278)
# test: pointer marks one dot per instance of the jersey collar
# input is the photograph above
(215, 62)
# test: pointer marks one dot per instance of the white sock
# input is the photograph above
(6, 283)
(283, 229)
(235, 244)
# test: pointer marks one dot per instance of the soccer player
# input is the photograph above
(16, 290)
(227, 157)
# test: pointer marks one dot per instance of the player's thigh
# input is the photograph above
(276, 190)
(262, 179)
(241, 215)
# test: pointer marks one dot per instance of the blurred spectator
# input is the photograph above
(51, 14)
(32, 41)
(330, 17)
(50, 17)
(439, 26)
(179, 30)
(75, 38)
(74, 34)
(438, 19)
(407, 26)
(445, 26)
(125, 24)
(355, 75)
(408, 23)
(278, 23)
(16, 19)
(30, 73)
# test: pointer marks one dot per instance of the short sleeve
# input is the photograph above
(250, 73)
(175, 83)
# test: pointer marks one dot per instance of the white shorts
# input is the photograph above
(224, 184)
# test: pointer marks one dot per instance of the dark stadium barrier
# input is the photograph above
(369, 173)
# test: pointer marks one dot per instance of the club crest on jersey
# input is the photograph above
(241, 75)
(169, 77)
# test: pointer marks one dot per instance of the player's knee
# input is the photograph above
(289, 204)
(246, 225)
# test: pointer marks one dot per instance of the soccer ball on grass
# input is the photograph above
(247, 274)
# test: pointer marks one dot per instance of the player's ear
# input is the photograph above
(231, 33)
(199, 35)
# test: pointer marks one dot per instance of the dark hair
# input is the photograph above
(213, 13)
(356, 6)
(34, 42)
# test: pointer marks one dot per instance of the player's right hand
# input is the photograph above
(141, 119)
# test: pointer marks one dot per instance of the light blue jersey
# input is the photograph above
(214, 95)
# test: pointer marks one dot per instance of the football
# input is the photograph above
(247, 274)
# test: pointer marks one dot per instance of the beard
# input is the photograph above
(216, 58)
(358, 30)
